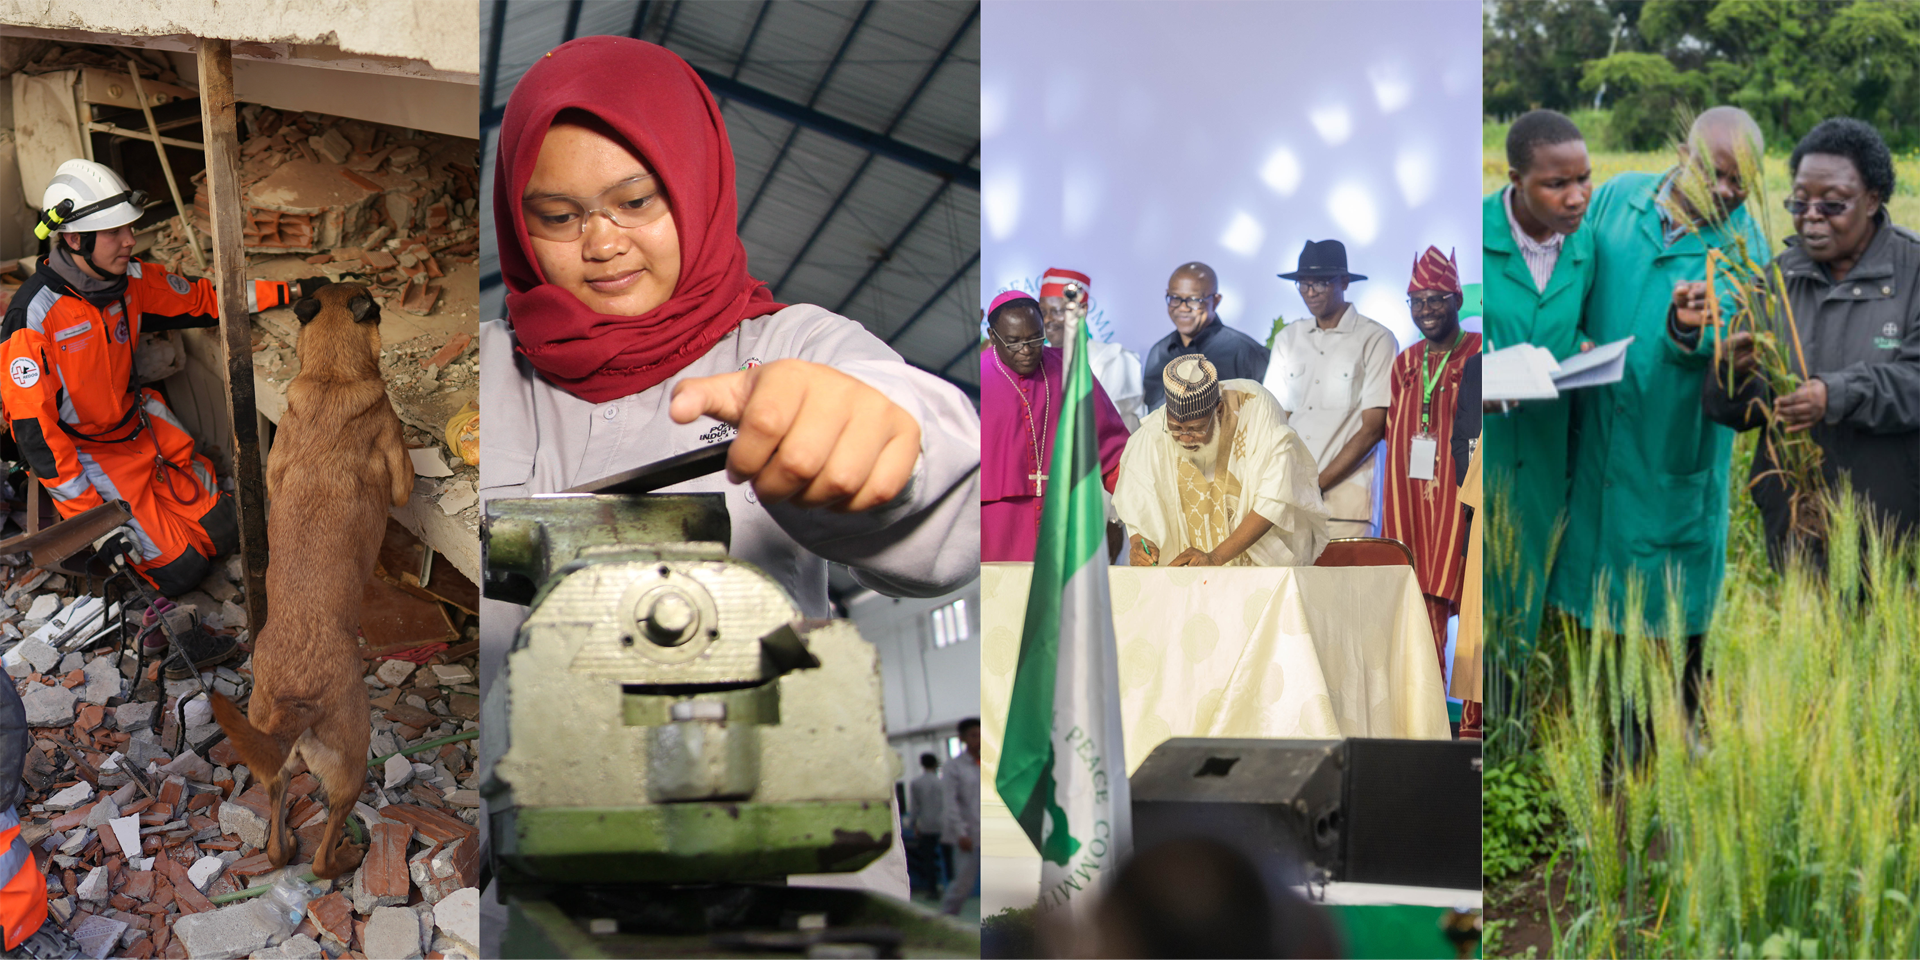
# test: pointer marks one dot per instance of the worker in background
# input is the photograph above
(23, 888)
(85, 426)
(928, 811)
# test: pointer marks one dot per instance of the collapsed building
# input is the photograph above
(357, 161)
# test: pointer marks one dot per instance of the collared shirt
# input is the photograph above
(1234, 355)
(928, 797)
(1325, 378)
(1540, 255)
(1671, 229)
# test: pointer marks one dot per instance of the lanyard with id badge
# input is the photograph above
(1425, 450)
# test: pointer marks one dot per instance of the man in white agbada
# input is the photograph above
(1216, 477)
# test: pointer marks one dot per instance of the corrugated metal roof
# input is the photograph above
(856, 138)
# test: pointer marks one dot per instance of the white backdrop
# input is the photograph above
(1122, 139)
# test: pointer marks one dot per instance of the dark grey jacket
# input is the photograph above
(1861, 338)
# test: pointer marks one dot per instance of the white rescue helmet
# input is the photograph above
(86, 196)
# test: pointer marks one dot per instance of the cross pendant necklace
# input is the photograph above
(1038, 476)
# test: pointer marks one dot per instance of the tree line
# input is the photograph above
(1789, 64)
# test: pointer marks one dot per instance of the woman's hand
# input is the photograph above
(808, 434)
(1804, 407)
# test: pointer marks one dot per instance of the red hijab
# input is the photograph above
(654, 100)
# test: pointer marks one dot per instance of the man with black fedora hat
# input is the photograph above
(1332, 375)
(1193, 293)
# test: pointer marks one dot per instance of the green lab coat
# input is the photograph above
(1526, 448)
(1648, 498)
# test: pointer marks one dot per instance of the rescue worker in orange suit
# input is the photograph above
(23, 887)
(85, 426)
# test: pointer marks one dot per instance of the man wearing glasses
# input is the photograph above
(1436, 400)
(1193, 294)
(1021, 384)
(1215, 477)
(1332, 379)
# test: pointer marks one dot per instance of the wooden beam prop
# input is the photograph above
(159, 147)
(221, 130)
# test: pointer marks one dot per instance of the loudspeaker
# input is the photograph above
(1273, 799)
(1413, 813)
(1365, 811)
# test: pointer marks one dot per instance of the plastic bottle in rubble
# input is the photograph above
(284, 905)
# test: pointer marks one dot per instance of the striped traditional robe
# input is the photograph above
(1425, 514)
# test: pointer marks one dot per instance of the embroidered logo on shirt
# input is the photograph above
(720, 432)
(178, 283)
(60, 336)
(1891, 329)
(751, 363)
(1886, 343)
(25, 372)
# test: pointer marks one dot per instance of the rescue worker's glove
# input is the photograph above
(114, 551)
(267, 294)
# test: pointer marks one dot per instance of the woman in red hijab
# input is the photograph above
(634, 332)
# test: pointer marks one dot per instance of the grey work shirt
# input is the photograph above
(542, 439)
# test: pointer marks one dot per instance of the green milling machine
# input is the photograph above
(668, 741)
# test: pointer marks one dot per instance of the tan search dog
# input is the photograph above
(337, 461)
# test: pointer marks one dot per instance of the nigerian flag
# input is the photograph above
(1062, 765)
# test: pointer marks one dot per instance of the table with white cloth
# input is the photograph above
(1288, 652)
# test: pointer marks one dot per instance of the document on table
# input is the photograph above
(1527, 372)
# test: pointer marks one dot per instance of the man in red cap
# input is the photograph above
(1064, 294)
(1424, 464)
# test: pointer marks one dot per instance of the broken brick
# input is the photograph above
(139, 885)
(433, 825)
(456, 345)
(384, 872)
(332, 915)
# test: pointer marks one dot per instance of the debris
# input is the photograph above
(449, 674)
(48, 706)
(398, 771)
(457, 916)
(44, 607)
(204, 870)
(38, 653)
(94, 887)
(99, 936)
(427, 463)
(228, 932)
(103, 680)
(392, 932)
(300, 947)
(393, 673)
(458, 496)
(71, 797)
(127, 831)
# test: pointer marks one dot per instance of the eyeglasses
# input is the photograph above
(1191, 303)
(632, 203)
(1196, 429)
(1429, 304)
(1827, 208)
(1019, 346)
(1314, 286)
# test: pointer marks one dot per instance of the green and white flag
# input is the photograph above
(1062, 763)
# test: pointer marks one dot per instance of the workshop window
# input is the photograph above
(950, 624)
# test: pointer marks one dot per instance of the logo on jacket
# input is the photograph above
(751, 363)
(1891, 329)
(25, 372)
(178, 283)
(120, 332)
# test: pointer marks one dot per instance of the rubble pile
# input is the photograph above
(140, 835)
(389, 206)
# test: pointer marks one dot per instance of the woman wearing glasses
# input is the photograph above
(1853, 283)
(634, 333)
